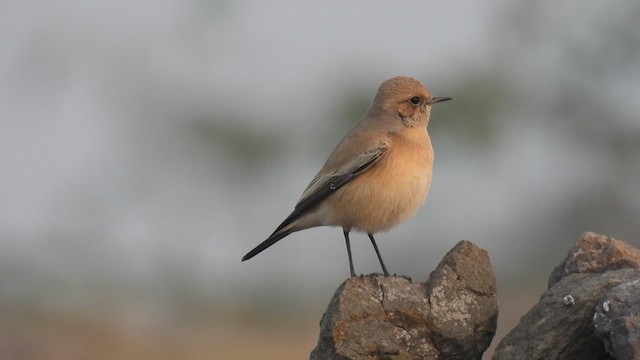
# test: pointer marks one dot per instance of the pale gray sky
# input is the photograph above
(105, 180)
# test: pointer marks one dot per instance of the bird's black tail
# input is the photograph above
(265, 244)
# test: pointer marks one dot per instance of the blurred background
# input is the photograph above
(146, 146)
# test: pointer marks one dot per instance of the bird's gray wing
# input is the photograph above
(326, 183)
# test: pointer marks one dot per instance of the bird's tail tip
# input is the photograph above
(265, 244)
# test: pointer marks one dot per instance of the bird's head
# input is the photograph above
(407, 98)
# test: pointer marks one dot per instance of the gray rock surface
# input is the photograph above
(617, 320)
(561, 325)
(450, 316)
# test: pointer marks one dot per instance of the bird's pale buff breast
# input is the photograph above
(391, 191)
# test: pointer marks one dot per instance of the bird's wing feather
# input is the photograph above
(328, 182)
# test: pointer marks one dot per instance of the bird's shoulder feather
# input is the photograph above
(351, 157)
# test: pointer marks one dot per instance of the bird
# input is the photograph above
(377, 176)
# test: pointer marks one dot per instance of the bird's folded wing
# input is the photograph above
(324, 184)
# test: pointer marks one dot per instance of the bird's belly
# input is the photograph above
(382, 197)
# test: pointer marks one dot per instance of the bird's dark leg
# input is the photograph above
(373, 241)
(346, 239)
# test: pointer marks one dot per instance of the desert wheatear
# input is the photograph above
(377, 176)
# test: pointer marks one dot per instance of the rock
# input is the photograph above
(561, 325)
(617, 320)
(464, 309)
(595, 253)
(450, 316)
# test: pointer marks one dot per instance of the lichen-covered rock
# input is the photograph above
(464, 310)
(451, 316)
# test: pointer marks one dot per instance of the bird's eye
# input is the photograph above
(415, 100)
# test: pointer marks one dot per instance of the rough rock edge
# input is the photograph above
(594, 259)
(465, 268)
(595, 253)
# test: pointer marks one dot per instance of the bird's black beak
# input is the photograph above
(437, 99)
